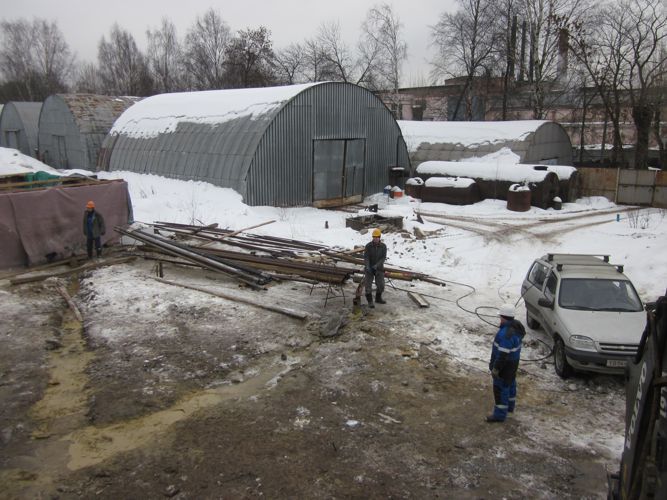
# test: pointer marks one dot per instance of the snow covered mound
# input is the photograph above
(14, 162)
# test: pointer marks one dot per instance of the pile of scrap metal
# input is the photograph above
(255, 260)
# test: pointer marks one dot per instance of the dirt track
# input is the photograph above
(184, 396)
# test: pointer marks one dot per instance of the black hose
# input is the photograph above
(479, 315)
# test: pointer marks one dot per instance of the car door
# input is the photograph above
(532, 288)
(548, 314)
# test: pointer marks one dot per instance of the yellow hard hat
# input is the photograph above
(376, 233)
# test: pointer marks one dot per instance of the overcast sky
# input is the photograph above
(84, 22)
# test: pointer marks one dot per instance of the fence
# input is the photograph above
(625, 186)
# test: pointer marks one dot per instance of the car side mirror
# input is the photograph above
(544, 302)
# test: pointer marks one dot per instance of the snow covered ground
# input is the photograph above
(483, 251)
(486, 264)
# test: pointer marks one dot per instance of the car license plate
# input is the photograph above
(616, 363)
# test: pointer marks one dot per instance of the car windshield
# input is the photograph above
(598, 295)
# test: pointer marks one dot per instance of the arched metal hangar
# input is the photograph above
(320, 144)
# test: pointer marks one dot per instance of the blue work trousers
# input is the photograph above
(504, 394)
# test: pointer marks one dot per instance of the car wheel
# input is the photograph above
(532, 323)
(563, 368)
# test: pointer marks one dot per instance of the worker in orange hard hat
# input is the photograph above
(375, 254)
(93, 229)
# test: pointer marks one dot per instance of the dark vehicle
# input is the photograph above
(643, 472)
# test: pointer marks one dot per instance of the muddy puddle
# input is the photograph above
(62, 439)
(92, 445)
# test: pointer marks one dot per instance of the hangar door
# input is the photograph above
(12, 138)
(338, 171)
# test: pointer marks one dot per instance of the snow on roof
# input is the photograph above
(562, 171)
(483, 170)
(162, 113)
(505, 155)
(14, 162)
(455, 182)
(466, 133)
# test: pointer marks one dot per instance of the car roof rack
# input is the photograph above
(619, 267)
(550, 256)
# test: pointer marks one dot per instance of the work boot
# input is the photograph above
(379, 299)
(99, 253)
(369, 298)
(492, 419)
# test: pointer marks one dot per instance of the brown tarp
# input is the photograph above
(37, 226)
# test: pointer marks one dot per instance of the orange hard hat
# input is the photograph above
(90, 204)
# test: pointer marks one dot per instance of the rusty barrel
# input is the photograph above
(518, 198)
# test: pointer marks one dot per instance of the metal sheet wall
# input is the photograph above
(19, 122)
(660, 194)
(635, 187)
(550, 144)
(627, 186)
(268, 158)
(219, 154)
(281, 173)
(72, 127)
(61, 144)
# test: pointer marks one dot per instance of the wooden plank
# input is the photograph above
(282, 310)
(70, 303)
(418, 299)
(71, 261)
(64, 181)
(86, 267)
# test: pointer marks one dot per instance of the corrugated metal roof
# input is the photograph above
(96, 114)
(534, 141)
(72, 127)
(24, 117)
(163, 113)
(261, 142)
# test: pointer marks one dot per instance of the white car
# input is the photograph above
(590, 309)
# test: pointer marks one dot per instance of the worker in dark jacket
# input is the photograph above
(375, 254)
(504, 363)
(93, 229)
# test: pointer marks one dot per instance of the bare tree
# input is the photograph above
(249, 59)
(34, 58)
(340, 60)
(384, 49)
(164, 58)
(317, 65)
(599, 46)
(53, 60)
(205, 45)
(549, 23)
(122, 68)
(464, 41)
(646, 25)
(505, 55)
(623, 51)
(88, 79)
(290, 64)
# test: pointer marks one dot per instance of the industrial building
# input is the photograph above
(533, 141)
(73, 126)
(320, 144)
(19, 123)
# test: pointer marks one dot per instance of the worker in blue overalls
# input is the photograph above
(504, 363)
